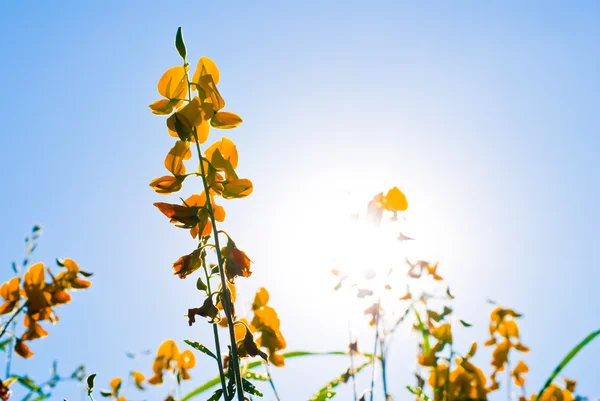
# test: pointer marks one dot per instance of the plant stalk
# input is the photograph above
(375, 349)
(215, 333)
(224, 290)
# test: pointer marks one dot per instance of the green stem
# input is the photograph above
(375, 349)
(215, 332)
(271, 381)
(12, 318)
(352, 364)
(225, 291)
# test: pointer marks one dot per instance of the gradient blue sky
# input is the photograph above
(484, 113)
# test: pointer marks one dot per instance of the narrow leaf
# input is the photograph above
(567, 359)
(180, 44)
(201, 348)
(250, 388)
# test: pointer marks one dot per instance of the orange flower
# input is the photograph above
(69, 279)
(267, 323)
(237, 263)
(168, 358)
(11, 292)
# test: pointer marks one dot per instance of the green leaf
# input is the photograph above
(423, 331)
(4, 343)
(86, 274)
(14, 267)
(288, 355)
(256, 376)
(419, 393)
(214, 269)
(250, 388)
(60, 262)
(216, 395)
(567, 359)
(327, 392)
(201, 348)
(106, 393)
(180, 44)
(465, 323)
(200, 285)
(25, 381)
(79, 373)
(90, 382)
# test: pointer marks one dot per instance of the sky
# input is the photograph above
(485, 114)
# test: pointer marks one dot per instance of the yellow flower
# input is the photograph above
(173, 86)
(267, 323)
(138, 379)
(518, 373)
(168, 358)
(11, 292)
(69, 279)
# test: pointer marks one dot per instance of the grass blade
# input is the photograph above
(288, 355)
(567, 359)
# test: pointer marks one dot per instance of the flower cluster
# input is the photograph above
(193, 106)
(37, 298)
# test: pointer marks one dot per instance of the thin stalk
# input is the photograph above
(271, 382)
(10, 351)
(375, 350)
(224, 290)
(508, 389)
(12, 318)
(14, 326)
(352, 363)
(215, 333)
(383, 361)
(448, 372)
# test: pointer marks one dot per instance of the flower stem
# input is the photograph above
(352, 363)
(225, 291)
(375, 349)
(271, 381)
(215, 333)
(12, 318)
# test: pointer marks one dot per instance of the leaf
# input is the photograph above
(326, 392)
(200, 347)
(200, 285)
(90, 382)
(423, 331)
(4, 343)
(256, 376)
(466, 324)
(25, 381)
(567, 359)
(14, 267)
(402, 237)
(419, 393)
(180, 44)
(106, 393)
(288, 355)
(250, 388)
(216, 395)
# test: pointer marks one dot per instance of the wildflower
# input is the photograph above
(173, 86)
(11, 292)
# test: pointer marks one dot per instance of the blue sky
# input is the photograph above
(484, 113)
